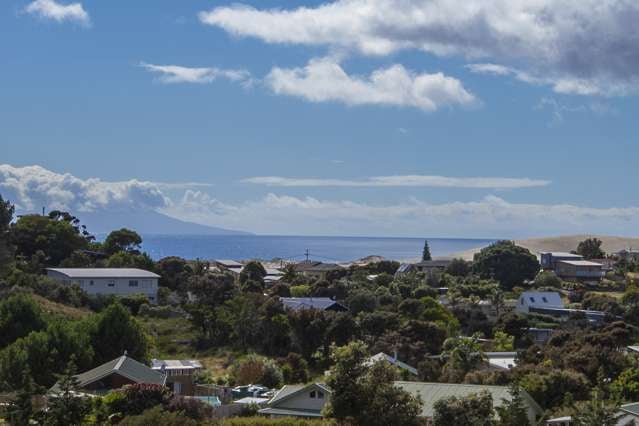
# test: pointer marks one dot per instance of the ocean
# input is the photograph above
(326, 249)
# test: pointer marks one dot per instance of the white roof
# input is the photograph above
(580, 263)
(104, 272)
(228, 263)
(562, 254)
(392, 360)
(175, 364)
(501, 360)
(251, 400)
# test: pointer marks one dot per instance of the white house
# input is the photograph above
(117, 281)
(539, 300)
(298, 401)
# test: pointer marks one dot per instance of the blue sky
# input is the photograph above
(141, 94)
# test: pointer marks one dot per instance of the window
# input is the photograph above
(111, 283)
(133, 283)
(91, 282)
(532, 299)
(320, 394)
(544, 299)
(313, 394)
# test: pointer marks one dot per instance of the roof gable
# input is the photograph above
(126, 367)
(289, 391)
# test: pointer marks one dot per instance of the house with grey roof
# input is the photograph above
(304, 401)
(116, 374)
(319, 303)
(107, 281)
(430, 393)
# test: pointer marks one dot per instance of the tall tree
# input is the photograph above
(66, 407)
(590, 248)
(122, 240)
(512, 412)
(597, 411)
(363, 395)
(54, 236)
(6, 251)
(19, 316)
(426, 252)
(506, 262)
(474, 409)
(115, 331)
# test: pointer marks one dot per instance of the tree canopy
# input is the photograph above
(506, 262)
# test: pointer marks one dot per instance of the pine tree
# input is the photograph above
(66, 407)
(21, 409)
(426, 253)
(513, 412)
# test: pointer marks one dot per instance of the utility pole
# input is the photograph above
(306, 253)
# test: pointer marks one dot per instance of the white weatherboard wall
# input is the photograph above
(119, 286)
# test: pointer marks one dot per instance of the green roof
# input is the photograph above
(433, 392)
(632, 408)
(289, 390)
(124, 366)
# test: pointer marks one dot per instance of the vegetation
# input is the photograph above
(243, 334)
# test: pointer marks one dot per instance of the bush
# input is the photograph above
(300, 290)
(158, 417)
(190, 407)
(253, 369)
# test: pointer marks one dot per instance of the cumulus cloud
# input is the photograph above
(490, 216)
(324, 79)
(581, 46)
(50, 9)
(33, 187)
(403, 180)
(180, 74)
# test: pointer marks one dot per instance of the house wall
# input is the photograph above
(116, 286)
(303, 401)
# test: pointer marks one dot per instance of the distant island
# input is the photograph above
(148, 222)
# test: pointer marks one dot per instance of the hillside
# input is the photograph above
(610, 244)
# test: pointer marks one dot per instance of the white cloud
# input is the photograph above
(33, 187)
(180, 74)
(582, 46)
(490, 216)
(403, 180)
(323, 80)
(50, 9)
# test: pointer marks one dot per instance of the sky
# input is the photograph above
(424, 118)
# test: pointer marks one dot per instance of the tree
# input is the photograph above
(56, 238)
(597, 411)
(506, 262)
(590, 248)
(626, 385)
(65, 407)
(253, 271)
(19, 316)
(426, 252)
(122, 240)
(6, 250)
(114, 331)
(458, 268)
(363, 395)
(463, 354)
(503, 342)
(21, 409)
(512, 412)
(473, 410)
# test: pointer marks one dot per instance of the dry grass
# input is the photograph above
(55, 308)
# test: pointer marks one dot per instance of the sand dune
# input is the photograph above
(610, 244)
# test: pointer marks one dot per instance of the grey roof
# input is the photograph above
(104, 272)
(311, 266)
(228, 263)
(632, 408)
(434, 263)
(289, 412)
(321, 303)
(562, 254)
(433, 392)
(392, 360)
(580, 263)
(124, 366)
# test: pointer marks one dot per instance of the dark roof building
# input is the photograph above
(115, 374)
(319, 303)
(316, 268)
